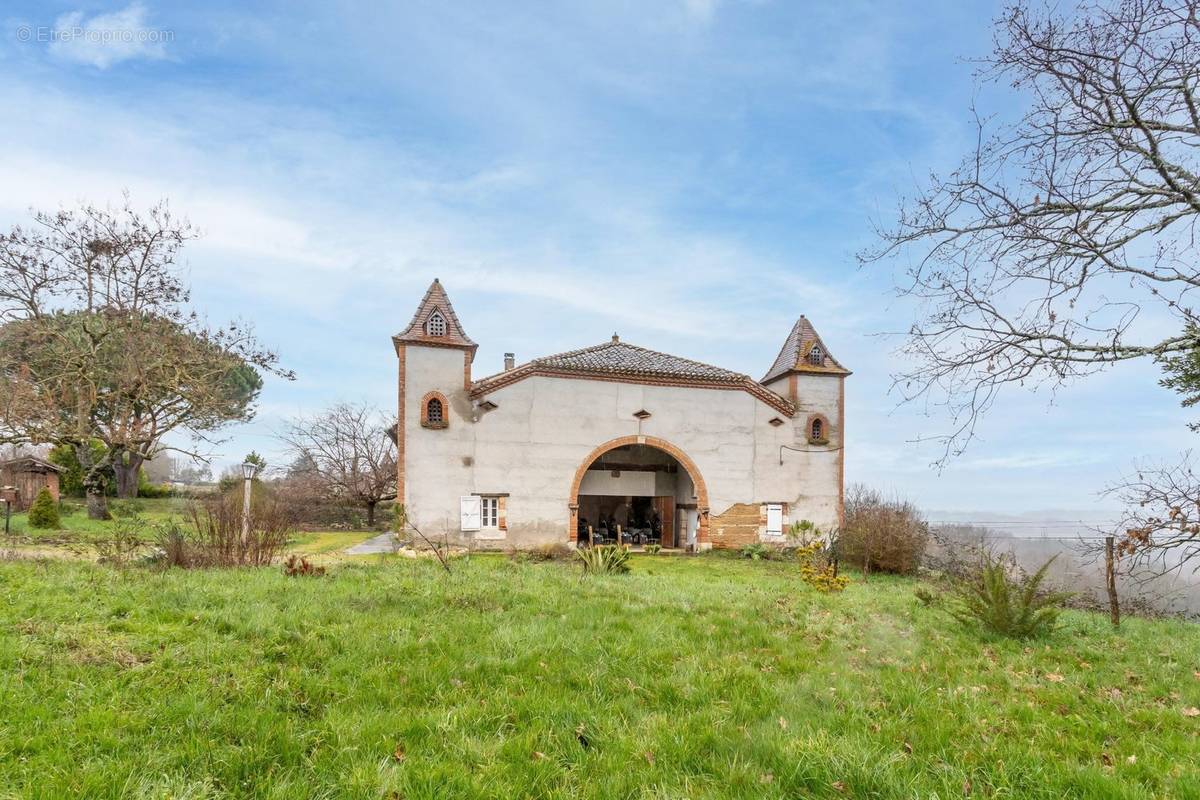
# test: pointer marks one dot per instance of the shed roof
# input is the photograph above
(31, 464)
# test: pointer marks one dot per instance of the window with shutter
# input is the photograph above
(470, 512)
(774, 519)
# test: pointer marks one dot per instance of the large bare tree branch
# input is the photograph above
(1060, 245)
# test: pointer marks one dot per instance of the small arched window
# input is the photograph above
(815, 356)
(817, 431)
(436, 324)
(434, 411)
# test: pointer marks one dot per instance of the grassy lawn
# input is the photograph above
(76, 524)
(78, 528)
(690, 678)
(328, 543)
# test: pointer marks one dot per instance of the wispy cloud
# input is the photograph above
(107, 39)
(692, 174)
(701, 10)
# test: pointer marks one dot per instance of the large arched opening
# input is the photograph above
(639, 490)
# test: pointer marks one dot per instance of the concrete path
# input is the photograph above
(383, 543)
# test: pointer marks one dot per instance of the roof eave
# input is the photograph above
(838, 371)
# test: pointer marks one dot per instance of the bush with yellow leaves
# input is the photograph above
(816, 571)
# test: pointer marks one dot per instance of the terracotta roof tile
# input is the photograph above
(617, 360)
(793, 356)
(436, 299)
(617, 357)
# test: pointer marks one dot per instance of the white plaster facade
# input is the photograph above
(527, 439)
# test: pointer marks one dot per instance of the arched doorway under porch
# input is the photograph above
(637, 490)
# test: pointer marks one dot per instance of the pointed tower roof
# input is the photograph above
(795, 354)
(425, 327)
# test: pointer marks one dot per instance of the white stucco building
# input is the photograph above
(614, 438)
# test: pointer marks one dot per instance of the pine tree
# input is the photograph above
(44, 511)
(1183, 373)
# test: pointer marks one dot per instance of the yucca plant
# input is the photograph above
(1005, 604)
(605, 558)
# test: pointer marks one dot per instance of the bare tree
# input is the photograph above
(1066, 241)
(349, 452)
(1159, 533)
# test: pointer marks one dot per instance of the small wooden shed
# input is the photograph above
(22, 478)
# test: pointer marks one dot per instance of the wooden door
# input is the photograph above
(665, 507)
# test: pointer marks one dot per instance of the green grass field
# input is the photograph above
(79, 530)
(76, 524)
(689, 678)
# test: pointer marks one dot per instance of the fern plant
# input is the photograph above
(755, 551)
(609, 559)
(1005, 604)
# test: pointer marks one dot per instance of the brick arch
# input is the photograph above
(650, 441)
(441, 398)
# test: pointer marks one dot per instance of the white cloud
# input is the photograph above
(107, 39)
(701, 10)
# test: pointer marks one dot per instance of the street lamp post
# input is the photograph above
(248, 470)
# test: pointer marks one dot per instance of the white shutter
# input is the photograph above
(469, 512)
(774, 520)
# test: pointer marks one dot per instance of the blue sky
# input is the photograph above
(693, 174)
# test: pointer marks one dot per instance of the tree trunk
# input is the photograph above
(93, 482)
(127, 470)
(370, 513)
(97, 505)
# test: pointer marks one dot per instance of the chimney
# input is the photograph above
(510, 361)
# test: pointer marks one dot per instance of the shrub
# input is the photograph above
(803, 533)
(1005, 602)
(212, 535)
(653, 549)
(44, 511)
(755, 552)
(605, 558)
(172, 545)
(816, 571)
(125, 509)
(555, 551)
(153, 491)
(926, 597)
(881, 534)
(121, 543)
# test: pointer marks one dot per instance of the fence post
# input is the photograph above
(1110, 580)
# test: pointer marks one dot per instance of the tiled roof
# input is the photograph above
(617, 360)
(436, 300)
(793, 356)
(617, 357)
